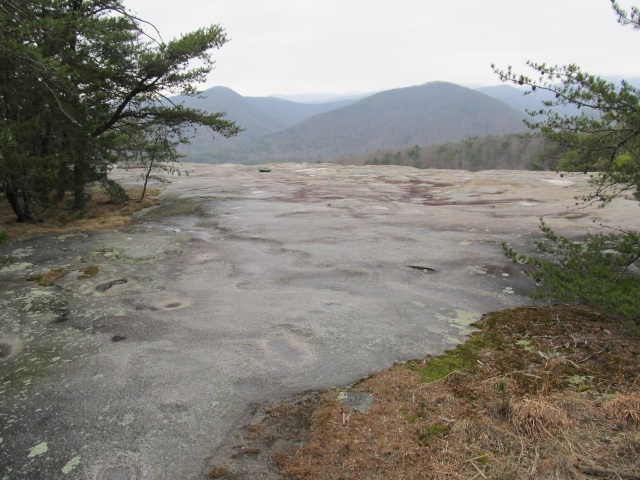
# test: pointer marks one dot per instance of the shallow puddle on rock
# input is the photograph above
(281, 347)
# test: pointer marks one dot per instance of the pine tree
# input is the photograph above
(604, 139)
(79, 79)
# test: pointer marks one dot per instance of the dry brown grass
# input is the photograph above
(100, 214)
(563, 404)
(624, 408)
(539, 418)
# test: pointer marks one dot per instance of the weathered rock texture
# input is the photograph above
(245, 286)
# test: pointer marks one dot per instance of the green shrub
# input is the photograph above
(599, 271)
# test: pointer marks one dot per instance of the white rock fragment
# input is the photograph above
(128, 419)
(477, 269)
(39, 449)
(71, 464)
(557, 181)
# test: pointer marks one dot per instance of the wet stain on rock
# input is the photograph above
(63, 317)
(285, 350)
(172, 408)
(106, 286)
(5, 350)
(171, 303)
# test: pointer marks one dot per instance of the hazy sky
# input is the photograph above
(342, 46)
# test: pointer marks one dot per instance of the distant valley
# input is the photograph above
(279, 130)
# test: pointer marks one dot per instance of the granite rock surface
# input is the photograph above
(246, 286)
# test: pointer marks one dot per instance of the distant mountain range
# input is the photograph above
(259, 116)
(322, 97)
(282, 130)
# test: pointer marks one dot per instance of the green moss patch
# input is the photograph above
(89, 272)
(48, 278)
(463, 358)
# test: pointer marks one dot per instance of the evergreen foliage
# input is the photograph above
(79, 81)
(605, 139)
(600, 271)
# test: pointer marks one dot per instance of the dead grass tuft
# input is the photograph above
(538, 418)
(218, 471)
(624, 408)
(626, 448)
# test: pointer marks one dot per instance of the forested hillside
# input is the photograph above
(258, 116)
(436, 112)
(512, 152)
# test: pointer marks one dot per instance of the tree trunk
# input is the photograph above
(61, 182)
(21, 210)
(149, 170)
(79, 184)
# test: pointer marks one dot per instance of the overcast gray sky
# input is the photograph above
(343, 46)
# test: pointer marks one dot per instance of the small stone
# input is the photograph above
(360, 402)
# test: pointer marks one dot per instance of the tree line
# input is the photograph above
(85, 84)
(512, 151)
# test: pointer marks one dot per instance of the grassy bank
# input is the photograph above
(538, 393)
